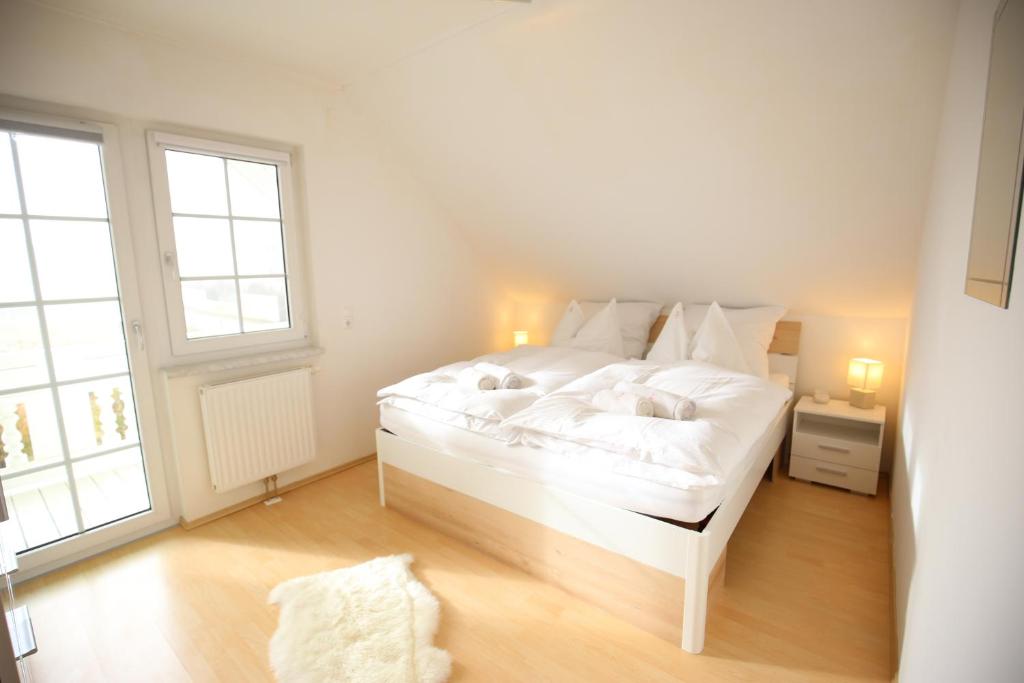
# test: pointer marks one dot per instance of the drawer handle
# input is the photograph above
(829, 470)
(837, 449)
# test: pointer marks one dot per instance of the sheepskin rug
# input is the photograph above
(371, 622)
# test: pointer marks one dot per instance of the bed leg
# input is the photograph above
(380, 480)
(695, 604)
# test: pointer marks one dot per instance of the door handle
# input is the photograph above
(140, 338)
(171, 261)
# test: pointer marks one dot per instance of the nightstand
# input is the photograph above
(837, 444)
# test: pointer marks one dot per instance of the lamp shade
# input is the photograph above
(865, 373)
(521, 337)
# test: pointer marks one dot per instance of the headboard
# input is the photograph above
(782, 352)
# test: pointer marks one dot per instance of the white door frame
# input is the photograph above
(159, 516)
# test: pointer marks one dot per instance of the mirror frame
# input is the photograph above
(1002, 299)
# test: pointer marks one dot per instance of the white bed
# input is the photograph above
(588, 472)
(594, 534)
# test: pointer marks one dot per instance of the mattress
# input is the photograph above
(592, 473)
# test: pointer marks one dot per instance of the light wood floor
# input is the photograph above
(806, 597)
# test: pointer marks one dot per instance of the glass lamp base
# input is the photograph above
(862, 398)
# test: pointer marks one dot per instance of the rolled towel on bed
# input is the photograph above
(666, 404)
(505, 378)
(472, 379)
(623, 403)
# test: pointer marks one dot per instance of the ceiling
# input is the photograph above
(753, 151)
(750, 151)
(334, 41)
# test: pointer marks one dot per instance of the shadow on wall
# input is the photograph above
(903, 495)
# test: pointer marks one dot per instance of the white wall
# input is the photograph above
(741, 150)
(377, 243)
(746, 151)
(958, 511)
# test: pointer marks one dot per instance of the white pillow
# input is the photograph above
(600, 333)
(571, 322)
(715, 342)
(673, 344)
(635, 320)
(753, 327)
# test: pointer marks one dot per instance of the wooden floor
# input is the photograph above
(806, 597)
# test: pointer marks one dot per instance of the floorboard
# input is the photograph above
(806, 597)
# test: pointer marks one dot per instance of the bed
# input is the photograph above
(647, 553)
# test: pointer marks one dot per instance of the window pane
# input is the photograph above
(204, 246)
(253, 189)
(211, 308)
(15, 277)
(8, 185)
(22, 361)
(40, 507)
(99, 415)
(74, 259)
(258, 248)
(61, 177)
(264, 304)
(86, 340)
(196, 183)
(30, 437)
(111, 487)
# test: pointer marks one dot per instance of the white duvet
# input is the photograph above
(437, 395)
(733, 411)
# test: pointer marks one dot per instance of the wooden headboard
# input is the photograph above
(786, 340)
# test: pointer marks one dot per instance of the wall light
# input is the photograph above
(521, 337)
(864, 376)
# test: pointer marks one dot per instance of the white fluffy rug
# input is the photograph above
(371, 622)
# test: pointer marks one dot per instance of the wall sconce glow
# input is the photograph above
(521, 337)
(864, 376)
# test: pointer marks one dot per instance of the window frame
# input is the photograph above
(159, 516)
(181, 345)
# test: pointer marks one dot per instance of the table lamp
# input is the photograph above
(864, 376)
(521, 337)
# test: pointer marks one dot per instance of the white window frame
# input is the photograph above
(181, 345)
(160, 515)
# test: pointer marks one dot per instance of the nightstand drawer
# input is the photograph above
(852, 478)
(839, 451)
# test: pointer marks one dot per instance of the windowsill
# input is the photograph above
(236, 362)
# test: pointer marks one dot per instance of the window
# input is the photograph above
(71, 455)
(228, 238)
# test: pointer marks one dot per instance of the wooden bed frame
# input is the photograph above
(655, 574)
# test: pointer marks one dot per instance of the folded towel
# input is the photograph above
(623, 403)
(666, 404)
(505, 378)
(472, 379)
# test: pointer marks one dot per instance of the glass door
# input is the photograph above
(71, 455)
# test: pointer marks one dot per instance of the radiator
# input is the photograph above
(257, 427)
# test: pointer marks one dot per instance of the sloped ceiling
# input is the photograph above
(335, 41)
(745, 151)
(749, 151)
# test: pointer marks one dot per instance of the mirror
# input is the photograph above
(997, 202)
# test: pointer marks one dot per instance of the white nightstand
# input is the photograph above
(837, 444)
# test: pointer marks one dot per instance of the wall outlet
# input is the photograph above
(346, 318)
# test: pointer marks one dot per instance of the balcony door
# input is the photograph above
(72, 454)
